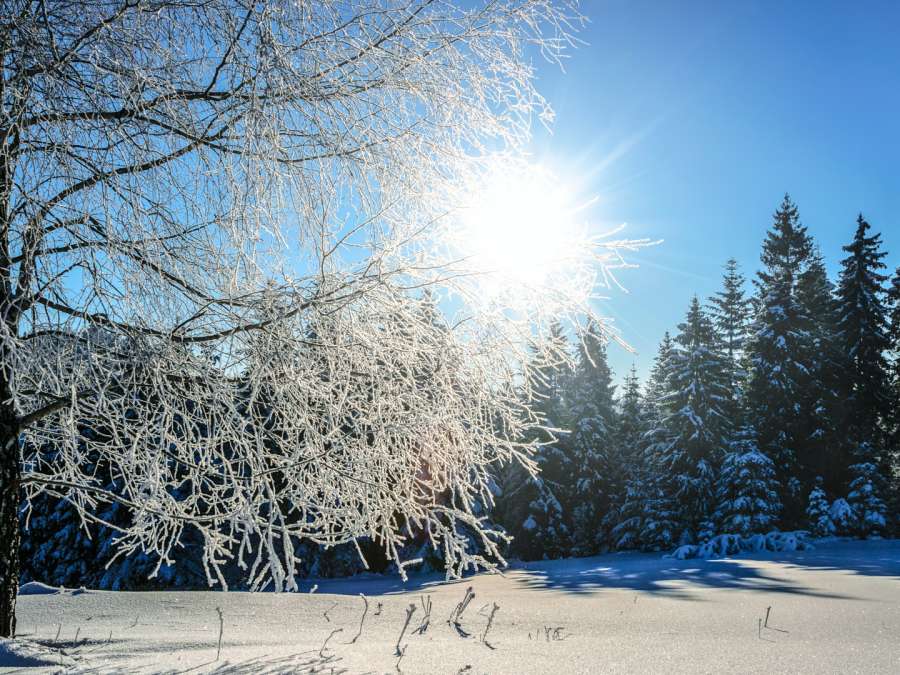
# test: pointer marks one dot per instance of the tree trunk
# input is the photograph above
(10, 477)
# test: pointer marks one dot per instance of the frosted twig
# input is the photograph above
(490, 622)
(362, 619)
(409, 612)
(221, 632)
(426, 619)
(324, 644)
(456, 615)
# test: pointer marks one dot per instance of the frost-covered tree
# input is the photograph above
(176, 177)
(818, 517)
(778, 352)
(696, 429)
(730, 311)
(863, 336)
(864, 496)
(747, 489)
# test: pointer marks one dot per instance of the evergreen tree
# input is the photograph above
(822, 450)
(865, 498)
(893, 476)
(624, 519)
(747, 491)
(817, 512)
(730, 310)
(532, 511)
(697, 428)
(657, 523)
(777, 352)
(863, 332)
(596, 467)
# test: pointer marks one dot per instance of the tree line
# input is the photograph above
(772, 406)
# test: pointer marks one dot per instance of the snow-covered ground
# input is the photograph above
(833, 609)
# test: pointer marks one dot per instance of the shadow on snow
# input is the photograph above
(652, 573)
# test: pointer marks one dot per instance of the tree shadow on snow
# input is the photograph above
(652, 573)
(304, 662)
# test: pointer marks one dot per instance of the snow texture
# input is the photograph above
(840, 606)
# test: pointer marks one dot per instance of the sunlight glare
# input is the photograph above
(521, 229)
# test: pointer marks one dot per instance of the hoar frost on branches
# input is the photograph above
(214, 221)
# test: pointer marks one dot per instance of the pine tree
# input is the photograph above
(596, 468)
(777, 352)
(817, 512)
(533, 512)
(863, 333)
(747, 490)
(656, 526)
(865, 498)
(893, 475)
(730, 310)
(624, 520)
(823, 450)
(697, 427)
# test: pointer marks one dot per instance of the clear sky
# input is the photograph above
(690, 120)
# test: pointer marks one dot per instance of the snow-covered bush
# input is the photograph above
(842, 516)
(731, 544)
(817, 512)
(864, 497)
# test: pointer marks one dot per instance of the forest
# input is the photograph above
(772, 406)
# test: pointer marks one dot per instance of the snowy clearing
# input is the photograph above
(833, 609)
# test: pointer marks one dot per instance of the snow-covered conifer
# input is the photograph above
(818, 517)
(597, 469)
(778, 351)
(863, 333)
(823, 450)
(696, 428)
(865, 498)
(730, 311)
(747, 490)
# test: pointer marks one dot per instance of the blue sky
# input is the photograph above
(690, 120)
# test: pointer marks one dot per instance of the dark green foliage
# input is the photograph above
(865, 498)
(597, 470)
(778, 352)
(864, 340)
(696, 429)
(731, 314)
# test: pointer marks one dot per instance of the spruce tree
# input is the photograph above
(747, 490)
(533, 512)
(730, 310)
(893, 476)
(656, 527)
(818, 517)
(778, 353)
(865, 498)
(624, 519)
(823, 450)
(863, 333)
(596, 468)
(697, 427)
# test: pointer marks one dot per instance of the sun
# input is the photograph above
(521, 228)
